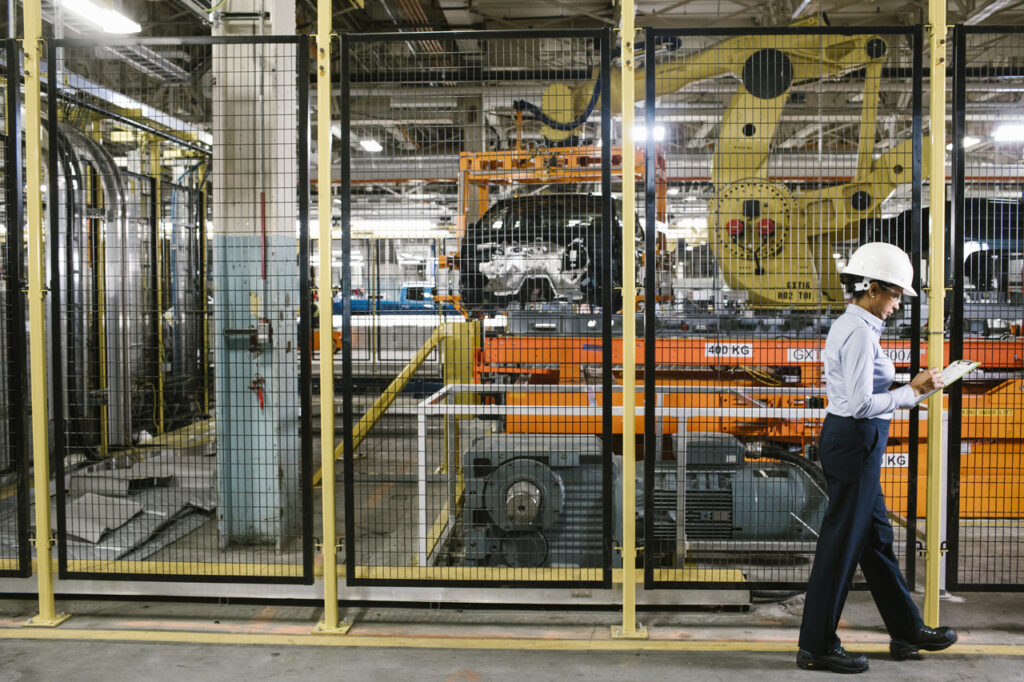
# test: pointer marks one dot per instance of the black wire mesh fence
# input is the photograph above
(479, 248)
(770, 159)
(179, 308)
(479, 267)
(986, 442)
(15, 554)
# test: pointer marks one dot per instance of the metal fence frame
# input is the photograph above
(652, 36)
(15, 341)
(602, 38)
(222, 574)
(15, 300)
(957, 198)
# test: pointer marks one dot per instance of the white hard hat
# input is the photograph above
(884, 263)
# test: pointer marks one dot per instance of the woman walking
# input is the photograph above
(856, 528)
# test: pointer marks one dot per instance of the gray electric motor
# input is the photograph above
(536, 501)
(776, 503)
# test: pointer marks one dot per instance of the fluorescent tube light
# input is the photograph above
(102, 15)
(371, 145)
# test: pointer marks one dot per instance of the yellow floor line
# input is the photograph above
(448, 642)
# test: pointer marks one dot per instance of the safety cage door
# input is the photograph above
(476, 347)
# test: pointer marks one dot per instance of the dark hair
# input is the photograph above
(849, 281)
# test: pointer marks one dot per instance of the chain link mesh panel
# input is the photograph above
(178, 199)
(479, 280)
(783, 151)
(986, 444)
(15, 554)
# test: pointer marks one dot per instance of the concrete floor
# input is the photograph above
(109, 662)
(448, 643)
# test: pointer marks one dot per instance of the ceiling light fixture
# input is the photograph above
(101, 13)
(640, 133)
(371, 145)
(1012, 132)
(969, 141)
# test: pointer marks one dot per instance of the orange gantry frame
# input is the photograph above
(547, 165)
(562, 359)
(746, 371)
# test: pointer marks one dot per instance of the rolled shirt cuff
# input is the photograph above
(904, 396)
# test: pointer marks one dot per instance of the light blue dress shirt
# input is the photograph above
(857, 373)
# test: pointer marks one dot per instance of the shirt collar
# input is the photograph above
(874, 324)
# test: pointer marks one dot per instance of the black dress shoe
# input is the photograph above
(925, 638)
(839, 660)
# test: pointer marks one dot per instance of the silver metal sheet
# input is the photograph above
(168, 468)
(167, 535)
(91, 515)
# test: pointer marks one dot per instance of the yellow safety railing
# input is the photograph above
(442, 333)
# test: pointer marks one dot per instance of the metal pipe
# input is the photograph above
(629, 625)
(936, 294)
(32, 17)
(154, 169)
(323, 149)
(130, 122)
(384, 400)
(94, 194)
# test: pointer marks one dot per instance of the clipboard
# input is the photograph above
(953, 372)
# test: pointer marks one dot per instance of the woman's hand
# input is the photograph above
(926, 381)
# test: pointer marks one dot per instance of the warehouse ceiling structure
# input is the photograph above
(421, 130)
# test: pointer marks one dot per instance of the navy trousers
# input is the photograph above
(855, 530)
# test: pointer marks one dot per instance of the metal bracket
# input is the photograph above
(37, 621)
(639, 633)
(342, 628)
(260, 336)
(35, 540)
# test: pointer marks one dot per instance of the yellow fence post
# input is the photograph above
(630, 628)
(47, 616)
(330, 623)
(936, 298)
